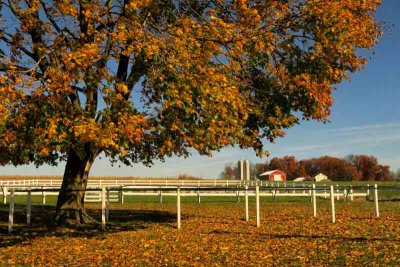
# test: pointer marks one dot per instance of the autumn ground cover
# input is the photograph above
(214, 233)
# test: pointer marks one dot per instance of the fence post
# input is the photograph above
(246, 200)
(368, 190)
(107, 204)
(5, 192)
(332, 205)
(120, 194)
(258, 205)
(160, 196)
(103, 208)
(337, 191)
(198, 194)
(11, 212)
(351, 193)
(28, 207)
(178, 207)
(277, 186)
(376, 200)
(237, 195)
(314, 201)
(43, 196)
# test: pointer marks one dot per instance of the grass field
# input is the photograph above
(143, 232)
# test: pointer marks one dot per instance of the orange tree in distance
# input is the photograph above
(141, 80)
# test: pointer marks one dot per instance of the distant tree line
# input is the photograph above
(350, 168)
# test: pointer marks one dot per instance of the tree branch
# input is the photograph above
(29, 72)
(138, 69)
(13, 9)
(23, 49)
(50, 18)
(76, 103)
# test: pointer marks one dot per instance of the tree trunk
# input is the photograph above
(70, 208)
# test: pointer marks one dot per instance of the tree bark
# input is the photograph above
(70, 208)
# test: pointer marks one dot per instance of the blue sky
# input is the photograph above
(365, 120)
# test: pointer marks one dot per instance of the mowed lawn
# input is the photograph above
(214, 233)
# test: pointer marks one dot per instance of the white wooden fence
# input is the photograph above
(271, 189)
(138, 182)
(246, 191)
(152, 182)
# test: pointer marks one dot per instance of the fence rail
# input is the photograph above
(122, 182)
(225, 188)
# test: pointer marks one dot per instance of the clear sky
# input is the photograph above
(365, 120)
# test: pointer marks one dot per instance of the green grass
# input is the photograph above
(384, 195)
(35, 200)
(171, 200)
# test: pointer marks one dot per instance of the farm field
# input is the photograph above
(214, 233)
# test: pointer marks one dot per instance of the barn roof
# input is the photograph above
(269, 172)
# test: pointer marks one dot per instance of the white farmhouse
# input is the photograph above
(320, 177)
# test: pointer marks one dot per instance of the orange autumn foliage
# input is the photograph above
(212, 73)
(144, 80)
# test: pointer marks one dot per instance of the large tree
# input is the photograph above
(230, 171)
(336, 169)
(140, 80)
(369, 168)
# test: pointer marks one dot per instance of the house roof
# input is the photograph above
(269, 172)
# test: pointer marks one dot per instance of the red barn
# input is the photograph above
(274, 176)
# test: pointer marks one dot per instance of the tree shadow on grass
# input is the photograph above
(42, 224)
(288, 236)
(393, 199)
